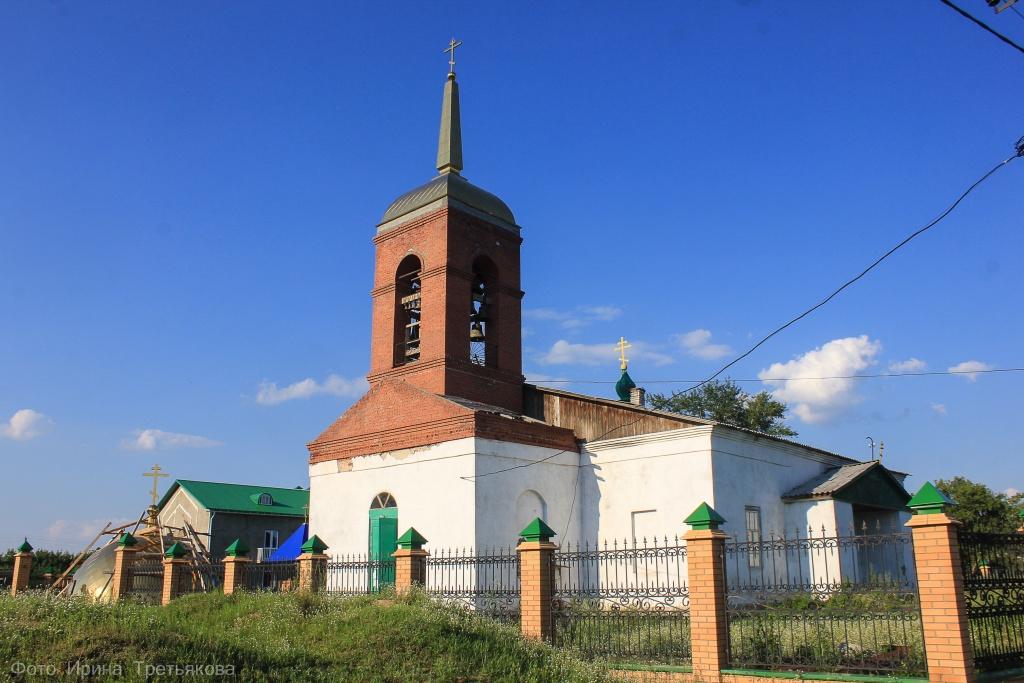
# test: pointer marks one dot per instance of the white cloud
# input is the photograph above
(940, 408)
(1011, 492)
(158, 439)
(815, 400)
(270, 394)
(544, 380)
(71, 531)
(563, 352)
(580, 316)
(908, 365)
(24, 425)
(970, 368)
(697, 343)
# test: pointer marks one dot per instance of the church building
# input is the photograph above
(450, 438)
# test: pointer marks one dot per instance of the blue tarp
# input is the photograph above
(292, 547)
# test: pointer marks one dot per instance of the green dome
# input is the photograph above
(623, 386)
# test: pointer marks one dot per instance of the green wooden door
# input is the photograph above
(383, 542)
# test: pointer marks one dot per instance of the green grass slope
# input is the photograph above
(271, 637)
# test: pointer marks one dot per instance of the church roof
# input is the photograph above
(455, 187)
(243, 498)
(866, 482)
(449, 184)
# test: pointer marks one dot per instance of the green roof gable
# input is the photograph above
(242, 498)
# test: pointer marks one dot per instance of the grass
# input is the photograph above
(274, 637)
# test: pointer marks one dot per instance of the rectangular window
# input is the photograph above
(753, 515)
(270, 538)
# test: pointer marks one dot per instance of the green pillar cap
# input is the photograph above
(238, 548)
(411, 540)
(929, 500)
(537, 530)
(704, 518)
(314, 545)
(175, 551)
(25, 547)
(126, 540)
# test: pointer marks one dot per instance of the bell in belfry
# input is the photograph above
(476, 332)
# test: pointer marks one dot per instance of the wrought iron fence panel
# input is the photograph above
(993, 569)
(278, 577)
(358, 575)
(623, 601)
(822, 602)
(200, 577)
(147, 580)
(486, 582)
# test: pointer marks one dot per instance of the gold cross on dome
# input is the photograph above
(155, 473)
(622, 346)
(451, 48)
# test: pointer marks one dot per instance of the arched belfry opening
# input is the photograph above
(407, 310)
(483, 314)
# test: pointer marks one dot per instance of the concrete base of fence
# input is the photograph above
(683, 674)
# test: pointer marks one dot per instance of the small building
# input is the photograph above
(262, 516)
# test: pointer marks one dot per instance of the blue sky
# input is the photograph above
(190, 191)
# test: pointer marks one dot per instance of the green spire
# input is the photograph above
(537, 530)
(25, 547)
(929, 500)
(238, 548)
(623, 386)
(704, 518)
(449, 143)
(176, 551)
(314, 545)
(411, 540)
(126, 540)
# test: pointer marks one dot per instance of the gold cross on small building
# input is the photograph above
(155, 473)
(622, 346)
(451, 48)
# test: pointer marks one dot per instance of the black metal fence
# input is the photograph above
(279, 577)
(486, 582)
(993, 568)
(825, 603)
(624, 601)
(200, 577)
(358, 575)
(147, 580)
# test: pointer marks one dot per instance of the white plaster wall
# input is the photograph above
(756, 471)
(553, 478)
(425, 483)
(665, 475)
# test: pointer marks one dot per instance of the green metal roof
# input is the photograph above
(242, 498)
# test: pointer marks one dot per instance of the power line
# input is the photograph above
(1018, 152)
(793, 379)
(983, 25)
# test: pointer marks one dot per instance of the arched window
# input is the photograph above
(383, 500)
(265, 499)
(483, 314)
(529, 505)
(407, 311)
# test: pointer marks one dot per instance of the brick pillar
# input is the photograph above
(709, 626)
(536, 580)
(175, 572)
(235, 561)
(312, 565)
(940, 580)
(22, 568)
(124, 557)
(410, 561)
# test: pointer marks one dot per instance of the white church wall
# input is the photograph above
(508, 500)
(425, 483)
(645, 485)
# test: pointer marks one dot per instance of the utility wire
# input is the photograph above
(1018, 152)
(983, 25)
(791, 379)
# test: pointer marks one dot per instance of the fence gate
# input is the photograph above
(993, 568)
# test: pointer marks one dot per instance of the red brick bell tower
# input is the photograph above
(445, 352)
(446, 296)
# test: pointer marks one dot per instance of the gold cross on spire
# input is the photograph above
(451, 48)
(155, 473)
(623, 345)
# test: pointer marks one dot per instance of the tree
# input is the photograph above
(981, 509)
(726, 402)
